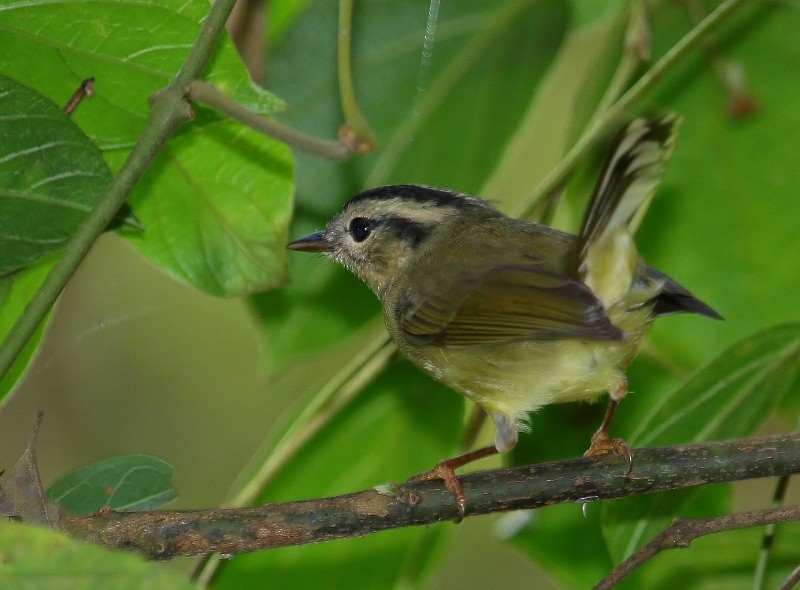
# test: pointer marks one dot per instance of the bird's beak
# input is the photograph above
(316, 242)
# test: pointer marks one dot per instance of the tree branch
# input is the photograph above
(166, 534)
(683, 531)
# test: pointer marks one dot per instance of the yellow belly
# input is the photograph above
(520, 377)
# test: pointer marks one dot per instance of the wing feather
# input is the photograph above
(504, 303)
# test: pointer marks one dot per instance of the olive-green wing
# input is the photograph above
(504, 303)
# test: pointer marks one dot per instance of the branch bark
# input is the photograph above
(683, 531)
(167, 534)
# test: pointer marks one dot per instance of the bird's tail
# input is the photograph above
(608, 260)
(607, 257)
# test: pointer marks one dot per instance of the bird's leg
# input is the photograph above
(445, 470)
(602, 443)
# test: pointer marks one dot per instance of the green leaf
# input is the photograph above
(731, 395)
(51, 175)
(17, 291)
(220, 227)
(127, 483)
(487, 62)
(217, 200)
(722, 223)
(131, 49)
(39, 559)
(727, 398)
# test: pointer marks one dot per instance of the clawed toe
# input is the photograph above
(447, 474)
(445, 470)
(602, 444)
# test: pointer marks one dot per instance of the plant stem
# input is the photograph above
(356, 130)
(168, 109)
(209, 94)
(611, 117)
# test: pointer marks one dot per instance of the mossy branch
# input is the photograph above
(167, 534)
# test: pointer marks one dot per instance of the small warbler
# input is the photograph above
(515, 315)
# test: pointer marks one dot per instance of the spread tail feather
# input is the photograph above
(607, 258)
(629, 178)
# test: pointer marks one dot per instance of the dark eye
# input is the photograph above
(360, 228)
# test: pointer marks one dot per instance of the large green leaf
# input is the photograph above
(51, 175)
(217, 215)
(459, 107)
(131, 49)
(39, 559)
(218, 223)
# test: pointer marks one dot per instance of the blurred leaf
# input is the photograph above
(387, 433)
(18, 290)
(125, 484)
(728, 398)
(571, 85)
(723, 560)
(38, 559)
(723, 222)
(566, 544)
(487, 61)
(51, 175)
(731, 395)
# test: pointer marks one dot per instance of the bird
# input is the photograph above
(516, 315)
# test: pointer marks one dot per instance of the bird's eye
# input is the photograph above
(360, 228)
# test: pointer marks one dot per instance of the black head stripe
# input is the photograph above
(419, 194)
(412, 232)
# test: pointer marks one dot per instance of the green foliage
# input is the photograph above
(727, 398)
(38, 559)
(51, 175)
(216, 203)
(15, 292)
(125, 484)
(507, 89)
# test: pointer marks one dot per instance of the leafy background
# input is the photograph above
(138, 361)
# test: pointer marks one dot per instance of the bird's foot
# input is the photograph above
(602, 444)
(445, 470)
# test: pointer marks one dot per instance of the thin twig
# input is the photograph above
(683, 531)
(769, 535)
(791, 581)
(86, 89)
(208, 94)
(166, 534)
